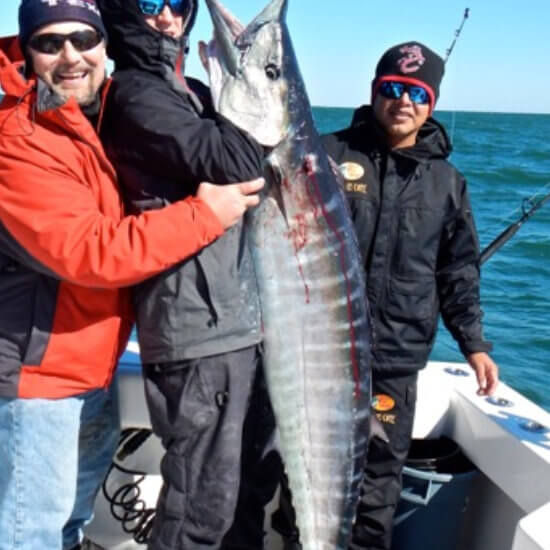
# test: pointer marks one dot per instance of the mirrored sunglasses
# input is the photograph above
(52, 43)
(394, 90)
(154, 7)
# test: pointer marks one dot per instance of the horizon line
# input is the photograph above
(479, 111)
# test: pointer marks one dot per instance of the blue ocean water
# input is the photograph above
(506, 160)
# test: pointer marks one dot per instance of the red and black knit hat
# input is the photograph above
(34, 14)
(411, 63)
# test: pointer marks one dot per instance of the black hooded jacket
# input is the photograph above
(415, 228)
(164, 140)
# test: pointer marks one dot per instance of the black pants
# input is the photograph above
(394, 400)
(209, 413)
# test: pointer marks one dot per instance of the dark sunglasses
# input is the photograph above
(52, 43)
(154, 7)
(394, 90)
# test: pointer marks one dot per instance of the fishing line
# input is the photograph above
(447, 55)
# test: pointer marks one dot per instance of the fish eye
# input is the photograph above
(272, 71)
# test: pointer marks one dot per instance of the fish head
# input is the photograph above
(247, 71)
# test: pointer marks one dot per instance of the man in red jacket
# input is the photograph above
(66, 249)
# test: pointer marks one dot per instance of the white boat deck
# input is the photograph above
(507, 438)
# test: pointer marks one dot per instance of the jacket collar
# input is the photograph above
(432, 143)
(133, 44)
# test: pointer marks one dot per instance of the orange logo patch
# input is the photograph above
(382, 403)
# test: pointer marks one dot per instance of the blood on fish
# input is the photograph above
(299, 233)
(299, 237)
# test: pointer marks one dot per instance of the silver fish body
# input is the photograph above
(310, 277)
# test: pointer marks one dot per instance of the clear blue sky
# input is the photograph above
(500, 63)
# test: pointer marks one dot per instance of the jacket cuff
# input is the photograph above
(475, 346)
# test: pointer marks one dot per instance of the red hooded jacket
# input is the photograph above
(66, 248)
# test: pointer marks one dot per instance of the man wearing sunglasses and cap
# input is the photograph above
(416, 231)
(67, 257)
(198, 325)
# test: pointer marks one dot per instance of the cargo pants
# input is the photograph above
(216, 424)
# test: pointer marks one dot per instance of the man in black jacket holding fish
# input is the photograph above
(198, 323)
(416, 231)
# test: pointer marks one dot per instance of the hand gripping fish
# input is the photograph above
(310, 276)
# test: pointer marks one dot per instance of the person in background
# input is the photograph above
(416, 232)
(198, 324)
(66, 251)
(420, 248)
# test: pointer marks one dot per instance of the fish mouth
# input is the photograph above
(225, 36)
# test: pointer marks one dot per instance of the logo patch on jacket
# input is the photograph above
(382, 403)
(352, 171)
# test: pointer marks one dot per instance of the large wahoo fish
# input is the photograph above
(309, 272)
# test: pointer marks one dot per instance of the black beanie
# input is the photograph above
(411, 63)
(34, 14)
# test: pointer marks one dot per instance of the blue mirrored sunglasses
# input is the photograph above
(154, 7)
(394, 90)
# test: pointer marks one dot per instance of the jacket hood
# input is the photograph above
(11, 48)
(432, 143)
(12, 68)
(132, 44)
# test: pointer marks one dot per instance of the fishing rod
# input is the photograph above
(457, 34)
(508, 233)
(448, 54)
